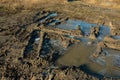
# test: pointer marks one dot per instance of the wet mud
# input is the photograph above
(51, 47)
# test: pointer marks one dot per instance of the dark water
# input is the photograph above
(34, 38)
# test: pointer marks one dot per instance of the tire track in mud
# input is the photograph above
(31, 48)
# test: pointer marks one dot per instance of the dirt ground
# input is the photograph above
(20, 27)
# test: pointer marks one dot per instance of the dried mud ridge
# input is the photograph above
(30, 52)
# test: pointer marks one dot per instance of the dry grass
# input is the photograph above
(15, 6)
(27, 3)
(104, 3)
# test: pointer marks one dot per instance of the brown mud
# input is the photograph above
(32, 47)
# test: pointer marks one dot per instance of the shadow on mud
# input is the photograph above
(87, 70)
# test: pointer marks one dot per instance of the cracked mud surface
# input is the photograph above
(54, 44)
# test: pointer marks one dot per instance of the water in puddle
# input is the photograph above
(116, 37)
(73, 25)
(85, 27)
(103, 31)
(76, 55)
(107, 64)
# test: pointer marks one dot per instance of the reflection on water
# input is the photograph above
(106, 64)
(73, 25)
(85, 28)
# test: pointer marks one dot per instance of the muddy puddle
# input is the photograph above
(85, 27)
(106, 64)
(75, 24)
(102, 63)
(76, 55)
(50, 19)
(85, 55)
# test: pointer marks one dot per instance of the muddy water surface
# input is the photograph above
(79, 54)
(76, 55)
